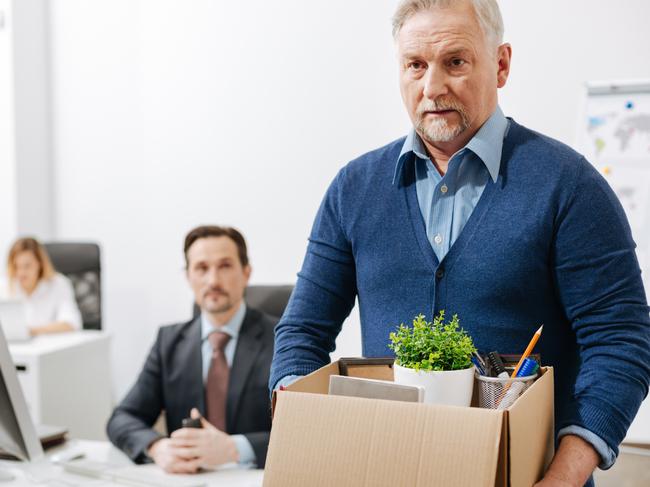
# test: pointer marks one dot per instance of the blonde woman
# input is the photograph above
(50, 305)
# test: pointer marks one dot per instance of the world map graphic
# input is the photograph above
(627, 131)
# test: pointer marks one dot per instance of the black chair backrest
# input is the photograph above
(80, 262)
(271, 299)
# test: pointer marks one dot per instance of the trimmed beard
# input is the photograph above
(218, 308)
(439, 129)
(227, 306)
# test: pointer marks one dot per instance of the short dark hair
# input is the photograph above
(205, 231)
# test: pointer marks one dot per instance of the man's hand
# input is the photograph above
(189, 449)
(208, 446)
(170, 458)
(574, 462)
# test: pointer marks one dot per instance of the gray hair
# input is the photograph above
(487, 13)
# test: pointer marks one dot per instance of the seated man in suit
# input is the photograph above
(214, 368)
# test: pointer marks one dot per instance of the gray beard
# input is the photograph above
(439, 130)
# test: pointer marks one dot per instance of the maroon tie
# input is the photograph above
(216, 385)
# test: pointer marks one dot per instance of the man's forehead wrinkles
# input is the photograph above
(433, 46)
(437, 35)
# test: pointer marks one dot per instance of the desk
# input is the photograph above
(103, 451)
(66, 380)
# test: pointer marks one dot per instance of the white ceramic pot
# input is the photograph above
(451, 387)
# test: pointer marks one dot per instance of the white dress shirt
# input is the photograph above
(52, 301)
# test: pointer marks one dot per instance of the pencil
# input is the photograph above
(524, 356)
(529, 349)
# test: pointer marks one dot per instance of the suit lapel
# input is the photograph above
(249, 345)
(189, 369)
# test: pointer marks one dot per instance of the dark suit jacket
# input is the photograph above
(172, 380)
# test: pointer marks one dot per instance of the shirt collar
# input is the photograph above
(231, 328)
(41, 287)
(487, 144)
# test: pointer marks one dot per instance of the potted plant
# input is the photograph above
(437, 356)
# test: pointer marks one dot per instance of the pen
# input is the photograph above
(480, 363)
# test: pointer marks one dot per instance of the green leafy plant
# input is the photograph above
(432, 346)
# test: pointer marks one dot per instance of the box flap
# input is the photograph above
(317, 382)
(320, 440)
(531, 428)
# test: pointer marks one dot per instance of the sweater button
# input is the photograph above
(440, 272)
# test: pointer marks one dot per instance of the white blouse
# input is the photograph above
(52, 301)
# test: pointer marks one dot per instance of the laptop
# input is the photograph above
(14, 320)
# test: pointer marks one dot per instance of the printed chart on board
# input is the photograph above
(614, 135)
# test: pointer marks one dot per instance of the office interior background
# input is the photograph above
(128, 122)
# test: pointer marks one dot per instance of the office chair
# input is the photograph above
(80, 262)
(271, 299)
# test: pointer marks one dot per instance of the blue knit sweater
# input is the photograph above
(547, 243)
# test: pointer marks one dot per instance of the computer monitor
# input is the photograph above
(17, 432)
(14, 320)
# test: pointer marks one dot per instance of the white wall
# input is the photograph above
(25, 152)
(172, 114)
(32, 118)
(558, 45)
(8, 203)
(168, 114)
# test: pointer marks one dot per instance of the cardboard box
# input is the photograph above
(321, 440)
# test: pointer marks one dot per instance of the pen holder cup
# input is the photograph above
(498, 393)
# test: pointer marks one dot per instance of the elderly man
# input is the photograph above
(215, 365)
(480, 216)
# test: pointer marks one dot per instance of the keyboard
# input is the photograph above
(138, 476)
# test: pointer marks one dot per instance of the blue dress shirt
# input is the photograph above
(447, 201)
(246, 453)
